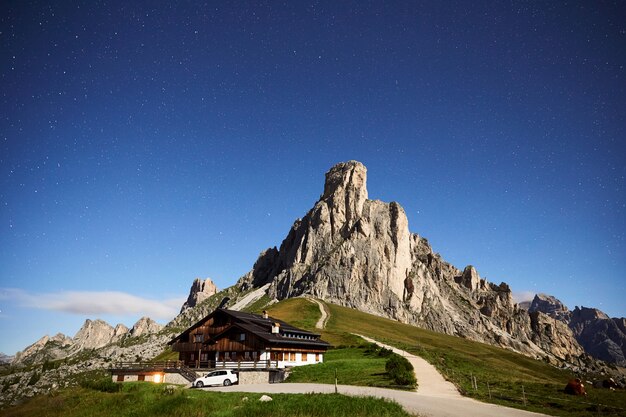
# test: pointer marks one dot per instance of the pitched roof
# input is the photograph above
(262, 328)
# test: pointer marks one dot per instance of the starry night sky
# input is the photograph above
(144, 144)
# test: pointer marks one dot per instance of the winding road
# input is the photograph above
(434, 397)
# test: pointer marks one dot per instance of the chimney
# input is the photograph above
(276, 328)
(265, 314)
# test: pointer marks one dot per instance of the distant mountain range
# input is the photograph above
(94, 334)
(5, 359)
(601, 336)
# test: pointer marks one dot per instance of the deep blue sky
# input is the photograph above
(143, 144)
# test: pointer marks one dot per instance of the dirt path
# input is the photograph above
(429, 380)
(321, 323)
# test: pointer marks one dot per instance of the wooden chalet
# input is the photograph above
(234, 339)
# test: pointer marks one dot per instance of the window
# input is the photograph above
(199, 338)
(317, 357)
(292, 356)
(242, 337)
(305, 356)
(255, 355)
(246, 355)
(234, 356)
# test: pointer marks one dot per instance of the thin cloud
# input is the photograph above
(96, 302)
(521, 296)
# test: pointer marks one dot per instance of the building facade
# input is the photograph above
(234, 339)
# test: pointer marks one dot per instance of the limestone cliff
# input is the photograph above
(359, 253)
(200, 290)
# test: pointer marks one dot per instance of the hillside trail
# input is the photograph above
(321, 323)
(429, 380)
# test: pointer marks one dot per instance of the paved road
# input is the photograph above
(413, 402)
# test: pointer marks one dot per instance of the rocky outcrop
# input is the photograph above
(119, 332)
(359, 253)
(46, 348)
(600, 335)
(93, 334)
(200, 290)
(551, 306)
(145, 325)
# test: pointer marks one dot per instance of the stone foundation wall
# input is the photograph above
(253, 377)
(173, 378)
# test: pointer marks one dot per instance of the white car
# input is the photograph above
(225, 378)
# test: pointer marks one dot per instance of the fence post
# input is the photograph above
(524, 396)
(489, 390)
(335, 380)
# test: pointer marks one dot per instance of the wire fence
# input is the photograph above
(523, 394)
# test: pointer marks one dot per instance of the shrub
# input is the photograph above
(385, 352)
(400, 370)
(50, 365)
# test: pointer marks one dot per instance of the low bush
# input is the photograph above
(400, 370)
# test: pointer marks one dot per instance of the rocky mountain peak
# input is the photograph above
(93, 334)
(345, 193)
(549, 305)
(346, 178)
(120, 331)
(200, 290)
(587, 314)
(359, 253)
(145, 325)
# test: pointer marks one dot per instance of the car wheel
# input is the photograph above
(199, 384)
(227, 382)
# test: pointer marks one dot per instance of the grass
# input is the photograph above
(167, 355)
(354, 366)
(145, 399)
(258, 305)
(298, 312)
(459, 360)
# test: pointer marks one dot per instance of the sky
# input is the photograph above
(144, 144)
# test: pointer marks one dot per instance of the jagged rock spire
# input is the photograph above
(200, 290)
(345, 192)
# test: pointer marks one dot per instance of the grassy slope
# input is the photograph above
(144, 399)
(460, 359)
